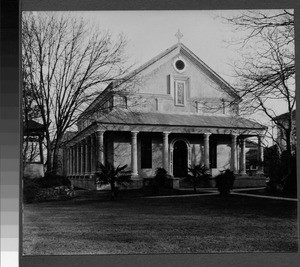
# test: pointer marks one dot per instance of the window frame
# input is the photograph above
(175, 67)
(176, 82)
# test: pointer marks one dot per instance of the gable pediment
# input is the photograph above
(203, 80)
(177, 81)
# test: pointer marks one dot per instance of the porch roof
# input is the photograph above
(163, 119)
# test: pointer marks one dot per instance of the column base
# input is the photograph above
(259, 172)
(135, 177)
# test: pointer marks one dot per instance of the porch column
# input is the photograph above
(233, 153)
(100, 158)
(72, 157)
(91, 153)
(166, 151)
(82, 157)
(69, 161)
(134, 167)
(260, 154)
(86, 155)
(243, 157)
(74, 160)
(206, 150)
(78, 159)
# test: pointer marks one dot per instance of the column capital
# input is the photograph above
(99, 127)
(166, 133)
(100, 132)
(134, 132)
(234, 135)
(206, 134)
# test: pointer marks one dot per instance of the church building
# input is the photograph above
(181, 113)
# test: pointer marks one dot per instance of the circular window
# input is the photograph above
(179, 64)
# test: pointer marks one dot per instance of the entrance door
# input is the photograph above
(180, 159)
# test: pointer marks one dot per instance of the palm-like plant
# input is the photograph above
(109, 174)
(196, 174)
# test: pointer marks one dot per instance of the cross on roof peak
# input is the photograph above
(178, 35)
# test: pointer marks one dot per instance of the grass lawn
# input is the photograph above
(197, 224)
(264, 192)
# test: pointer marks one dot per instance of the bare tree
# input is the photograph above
(266, 72)
(30, 112)
(67, 63)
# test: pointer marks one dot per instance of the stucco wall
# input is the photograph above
(122, 151)
(200, 87)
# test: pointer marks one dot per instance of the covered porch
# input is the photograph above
(173, 147)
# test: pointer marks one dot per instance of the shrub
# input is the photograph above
(289, 181)
(224, 181)
(53, 180)
(273, 169)
(40, 189)
(160, 179)
(30, 189)
(281, 172)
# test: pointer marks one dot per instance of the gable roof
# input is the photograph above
(188, 53)
(181, 49)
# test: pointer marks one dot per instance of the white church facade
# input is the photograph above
(181, 113)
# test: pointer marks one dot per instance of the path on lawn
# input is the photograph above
(211, 191)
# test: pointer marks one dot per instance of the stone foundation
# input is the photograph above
(84, 183)
(249, 181)
(240, 181)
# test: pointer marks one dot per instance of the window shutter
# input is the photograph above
(169, 84)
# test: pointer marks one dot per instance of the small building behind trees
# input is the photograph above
(33, 157)
(281, 136)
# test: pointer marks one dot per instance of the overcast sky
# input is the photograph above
(151, 32)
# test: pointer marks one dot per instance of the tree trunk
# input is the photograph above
(112, 188)
(288, 150)
(55, 163)
(49, 154)
(195, 188)
(25, 148)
